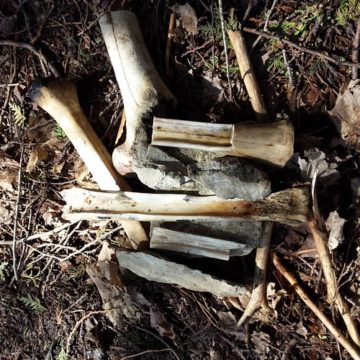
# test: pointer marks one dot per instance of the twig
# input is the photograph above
(248, 75)
(169, 43)
(313, 307)
(288, 348)
(17, 206)
(143, 353)
(267, 19)
(41, 235)
(155, 336)
(355, 52)
(301, 48)
(78, 323)
(320, 240)
(221, 15)
(291, 82)
(258, 298)
(36, 52)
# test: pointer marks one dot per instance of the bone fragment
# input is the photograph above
(162, 270)
(270, 142)
(165, 239)
(289, 206)
(59, 98)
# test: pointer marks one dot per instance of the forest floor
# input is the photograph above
(53, 310)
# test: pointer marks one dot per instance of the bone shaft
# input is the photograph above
(290, 207)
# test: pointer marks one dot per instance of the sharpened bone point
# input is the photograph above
(291, 207)
(161, 270)
(269, 142)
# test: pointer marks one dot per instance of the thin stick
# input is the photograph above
(320, 240)
(355, 52)
(17, 207)
(69, 339)
(169, 43)
(221, 15)
(301, 48)
(313, 307)
(36, 52)
(248, 75)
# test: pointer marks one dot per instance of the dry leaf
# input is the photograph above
(335, 227)
(8, 179)
(159, 323)
(346, 114)
(5, 214)
(40, 130)
(36, 155)
(187, 17)
(227, 319)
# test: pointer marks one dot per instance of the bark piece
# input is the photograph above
(158, 269)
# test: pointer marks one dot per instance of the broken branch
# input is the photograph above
(313, 307)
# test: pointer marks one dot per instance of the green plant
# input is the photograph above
(276, 63)
(62, 354)
(18, 114)
(33, 304)
(59, 132)
(3, 266)
(348, 10)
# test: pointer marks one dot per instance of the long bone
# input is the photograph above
(59, 98)
(289, 206)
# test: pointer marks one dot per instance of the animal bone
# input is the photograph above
(270, 142)
(289, 206)
(59, 98)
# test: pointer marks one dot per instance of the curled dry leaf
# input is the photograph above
(187, 17)
(335, 227)
(36, 155)
(9, 169)
(346, 114)
(160, 324)
(5, 213)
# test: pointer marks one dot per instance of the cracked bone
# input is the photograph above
(269, 142)
(290, 206)
(59, 98)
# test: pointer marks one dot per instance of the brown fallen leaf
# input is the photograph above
(187, 17)
(36, 155)
(5, 214)
(160, 324)
(346, 114)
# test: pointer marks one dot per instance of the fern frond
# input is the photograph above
(62, 354)
(33, 304)
(18, 114)
(59, 132)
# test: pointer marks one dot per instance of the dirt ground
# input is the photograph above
(53, 310)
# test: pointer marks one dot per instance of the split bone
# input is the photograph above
(270, 142)
(291, 206)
